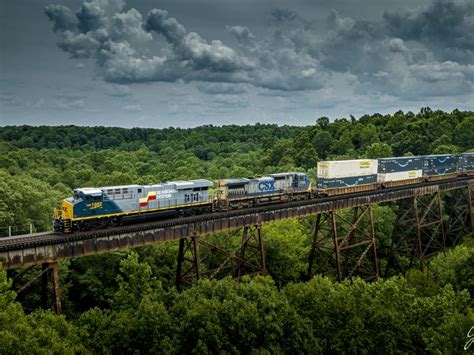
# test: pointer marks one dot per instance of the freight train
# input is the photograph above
(93, 208)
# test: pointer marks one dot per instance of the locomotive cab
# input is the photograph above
(84, 202)
(291, 181)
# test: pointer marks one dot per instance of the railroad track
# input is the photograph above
(49, 238)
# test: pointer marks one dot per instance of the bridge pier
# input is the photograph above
(343, 245)
(459, 208)
(420, 232)
(49, 272)
(188, 252)
(247, 259)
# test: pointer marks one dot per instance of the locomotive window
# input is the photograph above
(139, 191)
(235, 187)
(125, 191)
(117, 191)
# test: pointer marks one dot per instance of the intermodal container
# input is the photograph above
(466, 162)
(346, 181)
(401, 175)
(346, 168)
(398, 164)
(440, 164)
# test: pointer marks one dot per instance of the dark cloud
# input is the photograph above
(79, 45)
(62, 17)
(282, 15)
(192, 48)
(90, 16)
(398, 54)
(119, 62)
(447, 22)
(169, 27)
(445, 27)
(241, 33)
(128, 26)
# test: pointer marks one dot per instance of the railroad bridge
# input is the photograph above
(343, 239)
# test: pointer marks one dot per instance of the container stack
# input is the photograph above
(466, 163)
(346, 173)
(440, 164)
(400, 168)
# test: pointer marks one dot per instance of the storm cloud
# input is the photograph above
(428, 51)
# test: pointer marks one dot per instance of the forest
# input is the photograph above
(127, 302)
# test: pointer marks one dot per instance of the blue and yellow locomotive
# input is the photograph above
(91, 208)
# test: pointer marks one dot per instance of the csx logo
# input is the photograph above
(266, 185)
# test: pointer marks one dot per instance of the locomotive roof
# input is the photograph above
(182, 184)
(90, 191)
(286, 174)
(235, 181)
(119, 187)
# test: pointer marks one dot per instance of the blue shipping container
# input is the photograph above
(440, 164)
(346, 181)
(466, 162)
(399, 164)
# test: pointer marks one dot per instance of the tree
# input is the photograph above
(40, 331)
(225, 316)
(287, 249)
(379, 150)
(322, 142)
(464, 135)
(138, 320)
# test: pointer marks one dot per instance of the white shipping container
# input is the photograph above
(347, 168)
(401, 175)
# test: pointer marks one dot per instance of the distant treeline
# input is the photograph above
(422, 133)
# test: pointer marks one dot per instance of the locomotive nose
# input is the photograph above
(62, 217)
(66, 209)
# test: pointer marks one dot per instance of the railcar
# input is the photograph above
(466, 163)
(350, 176)
(92, 208)
(346, 176)
(247, 192)
(399, 171)
(441, 166)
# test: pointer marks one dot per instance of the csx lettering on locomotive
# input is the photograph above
(266, 186)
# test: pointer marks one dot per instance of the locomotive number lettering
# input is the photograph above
(95, 205)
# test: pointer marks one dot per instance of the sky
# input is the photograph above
(186, 63)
